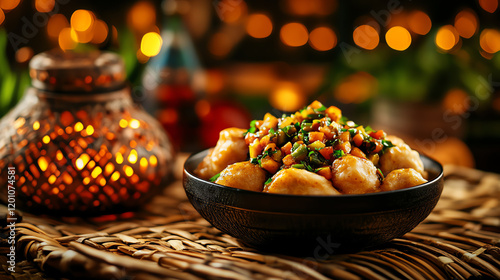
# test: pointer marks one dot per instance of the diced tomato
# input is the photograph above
(287, 148)
(249, 138)
(327, 152)
(378, 147)
(269, 164)
(265, 140)
(379, 134)
(288, 160)
(255, 148)
(316, 136)
(357, 152)
(325, 172)
(315, 105)
(358, 139)
(334, 113)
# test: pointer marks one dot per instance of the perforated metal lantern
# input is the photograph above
(78, 143)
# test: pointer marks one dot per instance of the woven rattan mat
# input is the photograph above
(459, 240)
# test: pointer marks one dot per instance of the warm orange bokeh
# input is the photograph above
(356, 88)
(489, 5)
(490, 40)
(466, 23)
(55, 24)
(398, 38)
(44, 6)
(287, 97)
(142, 16)
(366, 37)
(100, 32)
(447, 37)
(294, 34)
(65, 40)
(259, 26)
(8, 5)
(420, 23)
(82, 20)
(322, 39)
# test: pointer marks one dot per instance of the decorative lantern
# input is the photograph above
(76, 141)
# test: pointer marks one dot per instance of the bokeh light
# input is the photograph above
(311, 7)
(366, 37)
(456, 101)
(447, 37)
(236, 11)
(100, 32)
(65, 40)
(81, 37)
(8, 5)
(294, 34)
(24, 54)
(466, 23)
(44, 6)
(322, 39)
(55, 24)
(490, 40)
(2, 16)
(82, 20)
(356, 88)
(220, 44)
(489, 5)
(287, 97)
(151, 44)
(259, 26)
(142, 16)
(419, 22)
(398, 38)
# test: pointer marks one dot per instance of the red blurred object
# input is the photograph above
(222, 115)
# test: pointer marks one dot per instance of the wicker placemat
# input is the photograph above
(168, 240)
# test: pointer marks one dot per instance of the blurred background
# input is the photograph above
(427, 71)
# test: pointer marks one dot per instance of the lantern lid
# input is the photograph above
(85, 72)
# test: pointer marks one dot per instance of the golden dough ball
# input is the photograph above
(243, 175)
(354, 175)
(300, 182)
(402, 179)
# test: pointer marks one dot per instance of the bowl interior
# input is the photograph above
(275, 221)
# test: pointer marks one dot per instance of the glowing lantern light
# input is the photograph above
(466, 23)
(294, 34)
(366, 37)
(322, 39)
(287, 97)
(447, 37)
(398, 38)
(420, 23)
(489, 5)
(151, 44)
(259, 26)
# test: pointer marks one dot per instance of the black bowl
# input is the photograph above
(312, 225)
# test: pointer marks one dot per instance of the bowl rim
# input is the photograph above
(203, 153)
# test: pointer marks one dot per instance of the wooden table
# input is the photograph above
(168, 239)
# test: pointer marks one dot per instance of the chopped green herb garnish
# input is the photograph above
(268, 181)
(215, 177)
(321, 109)
(338, 153)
